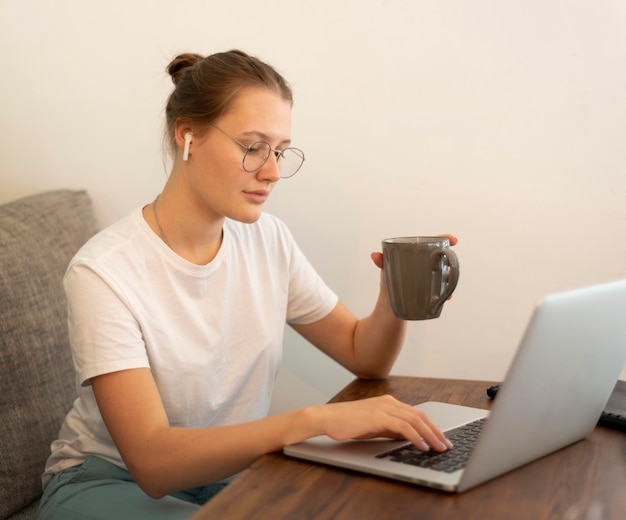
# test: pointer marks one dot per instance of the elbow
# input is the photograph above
(371, 374)
(155, 494)
(368, 377)
(149, 481)
(151, 488)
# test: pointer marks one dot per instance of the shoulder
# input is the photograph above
(113, 240)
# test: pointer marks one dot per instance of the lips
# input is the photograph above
(257, 196)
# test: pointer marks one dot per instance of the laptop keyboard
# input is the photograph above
(464, 439)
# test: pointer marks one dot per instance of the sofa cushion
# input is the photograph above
(38, 237)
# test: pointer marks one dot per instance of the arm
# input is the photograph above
(164, 459)
(367, 347)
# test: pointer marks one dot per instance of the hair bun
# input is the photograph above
(181, 63)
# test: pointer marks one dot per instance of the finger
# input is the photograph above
(428, 431)
(393, 416)
(399, 428)
(453, 239)
(433, 435)
(378, 259)
(388, 434)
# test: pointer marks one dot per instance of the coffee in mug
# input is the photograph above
(421, 274)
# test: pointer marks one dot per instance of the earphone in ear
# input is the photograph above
(188, 137)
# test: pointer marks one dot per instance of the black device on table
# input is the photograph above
(614, 413)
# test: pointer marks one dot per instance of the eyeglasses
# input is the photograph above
(256, 155)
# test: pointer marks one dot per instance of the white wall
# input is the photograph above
(501, 122)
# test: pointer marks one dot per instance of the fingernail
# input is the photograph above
(423, 446)
(449, 444)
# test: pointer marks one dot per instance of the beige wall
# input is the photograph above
(502, 122)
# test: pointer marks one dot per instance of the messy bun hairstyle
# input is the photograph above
(205, 87)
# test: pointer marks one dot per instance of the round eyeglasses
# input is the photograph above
(289, 160)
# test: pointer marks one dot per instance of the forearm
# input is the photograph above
(165, 459)
(378, 339)
(178, 458)
(171, 459)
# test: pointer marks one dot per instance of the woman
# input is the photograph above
(177, 315)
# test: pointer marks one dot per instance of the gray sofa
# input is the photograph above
(38, 237)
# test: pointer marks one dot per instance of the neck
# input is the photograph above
(185, 233)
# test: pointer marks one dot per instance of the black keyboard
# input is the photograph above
(613, 420)
(464, 439)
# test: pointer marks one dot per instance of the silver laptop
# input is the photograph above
(561, 377)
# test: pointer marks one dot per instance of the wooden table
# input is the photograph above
(584, 481)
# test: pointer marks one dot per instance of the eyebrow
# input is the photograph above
(264, 137)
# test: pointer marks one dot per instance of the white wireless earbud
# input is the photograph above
(188, 137)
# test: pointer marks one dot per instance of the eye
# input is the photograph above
(259, 148)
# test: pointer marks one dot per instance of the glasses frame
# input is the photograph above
(277, 153)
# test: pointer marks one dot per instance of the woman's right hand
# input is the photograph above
(382, 416)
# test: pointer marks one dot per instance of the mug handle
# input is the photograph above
(453, 275)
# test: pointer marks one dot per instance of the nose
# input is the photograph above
(270, 171)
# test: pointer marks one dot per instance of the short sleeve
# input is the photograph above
(104, 335)
(310, 299)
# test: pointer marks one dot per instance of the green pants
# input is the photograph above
(99, 490)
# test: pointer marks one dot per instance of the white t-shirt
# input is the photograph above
(212, 335)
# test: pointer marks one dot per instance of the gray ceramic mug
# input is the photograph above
(421, 274)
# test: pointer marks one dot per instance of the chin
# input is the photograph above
(247, 218)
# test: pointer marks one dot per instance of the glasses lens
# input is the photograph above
(256, 156)
(290, 162)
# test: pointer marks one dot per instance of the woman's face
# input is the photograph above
(215, 169)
